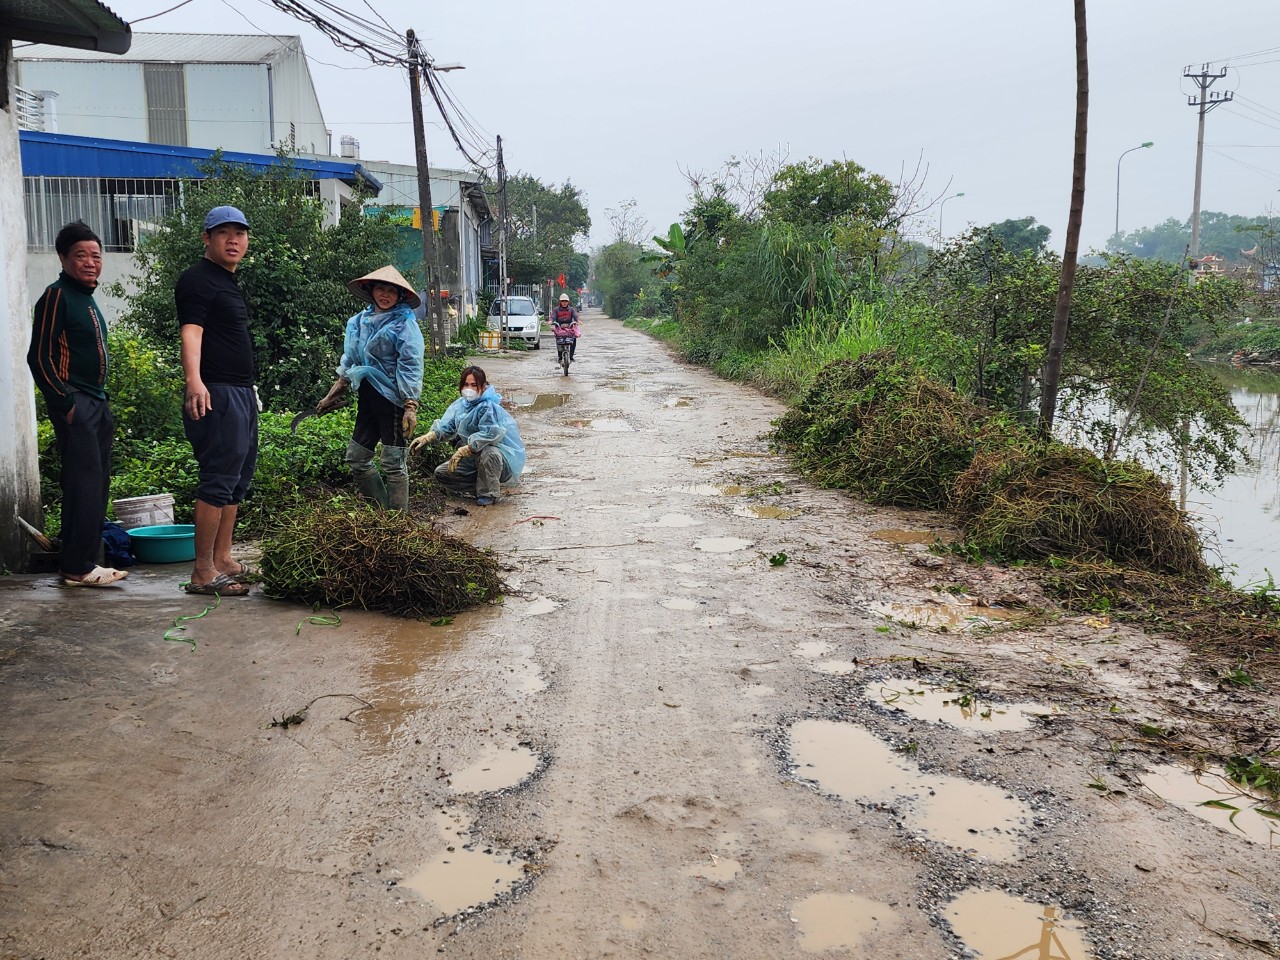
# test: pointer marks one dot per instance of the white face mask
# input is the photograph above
(470, 393)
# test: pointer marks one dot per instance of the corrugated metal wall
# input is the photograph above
(227, 106)
(94, 99)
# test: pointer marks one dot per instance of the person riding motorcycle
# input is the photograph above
(564, 322)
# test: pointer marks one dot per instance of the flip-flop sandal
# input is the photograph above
(220, 586)
(97, 577)
(248, 573)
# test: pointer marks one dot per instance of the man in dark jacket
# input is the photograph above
(69, 362)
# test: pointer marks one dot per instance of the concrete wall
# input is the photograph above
(19, 470)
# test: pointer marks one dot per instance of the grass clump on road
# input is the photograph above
(1036, 502)
(346, 553)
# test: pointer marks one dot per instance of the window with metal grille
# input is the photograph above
(166, 103)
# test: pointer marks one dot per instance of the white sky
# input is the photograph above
(619, 97)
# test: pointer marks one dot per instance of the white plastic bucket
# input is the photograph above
(144, 511)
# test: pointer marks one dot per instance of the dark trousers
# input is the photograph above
(85, 448)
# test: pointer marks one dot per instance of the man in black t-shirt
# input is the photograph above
(220, 408)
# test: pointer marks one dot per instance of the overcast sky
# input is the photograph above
(619, 97)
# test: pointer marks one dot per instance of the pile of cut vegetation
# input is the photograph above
(877, 425)
(1037, 502)
(346, 553)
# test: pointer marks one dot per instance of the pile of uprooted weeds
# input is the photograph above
(1040, 501)
(347, 553)
(878, 426)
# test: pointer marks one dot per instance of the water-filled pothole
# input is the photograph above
(994, 924)
(467, 873)
(538, 606)
(953, 705)
(713, 489)
(762, 511)
(677, 520)
(1224, 803)
(541, 401)
(853, 764)
(679, 603)
(496, 770)
(606, 425)
(721, 544)
(841, 921)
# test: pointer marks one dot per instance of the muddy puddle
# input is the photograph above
(856, 766)
(905, 537)
(721, 544)
(467, 873)
(731, 454)
(712, 489)
(496, 770)
(761, 511)
(679, 603)
(537, 606)
(841, 921)
(678, 402)
(942, 616)
(675, 520)
(1210, 796)
(606, 425)
(997, 926)
(953, 705)
(540, 401)
(715, 869)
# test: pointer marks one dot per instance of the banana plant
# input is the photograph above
(674, 245)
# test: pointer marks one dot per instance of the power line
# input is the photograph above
(160, 14)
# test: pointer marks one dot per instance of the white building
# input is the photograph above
(238, 92)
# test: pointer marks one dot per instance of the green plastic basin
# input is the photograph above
(167, 543)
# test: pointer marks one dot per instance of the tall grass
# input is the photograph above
(787, 369)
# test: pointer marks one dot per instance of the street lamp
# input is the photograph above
(941, 207)
(1141, 146)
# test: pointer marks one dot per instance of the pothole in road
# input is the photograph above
(912, 536)
(721, 544)
(678, 402)
(541, 401)
(712, 489)
(602, 425)
(496, 770)
(941, 616)
(679, 603)
(675, 520)
(538, 606)
(467, 874)
(734, 454)
(1212, 797)
(854, 765)
(953, 705)
(761, 511)
(840, 921)
(715, 868)
(994, 924)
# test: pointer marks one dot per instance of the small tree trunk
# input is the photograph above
(1062, 310)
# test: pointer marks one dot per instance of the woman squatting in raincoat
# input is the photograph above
(382, 360)
(492, 453)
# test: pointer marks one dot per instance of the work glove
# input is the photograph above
(332, 399)
(462, 451)
(409, 422)
(420, 442)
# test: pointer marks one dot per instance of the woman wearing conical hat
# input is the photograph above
(382, 362)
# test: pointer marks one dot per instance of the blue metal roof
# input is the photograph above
(64, 155)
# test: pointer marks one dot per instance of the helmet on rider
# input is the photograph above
(564, 298)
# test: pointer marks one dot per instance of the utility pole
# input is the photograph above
(502, 244)
(430, 252)
(1205, 101)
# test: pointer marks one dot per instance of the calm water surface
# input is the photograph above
(1241, 520)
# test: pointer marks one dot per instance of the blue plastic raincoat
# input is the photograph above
(482, 422)
(386, 349)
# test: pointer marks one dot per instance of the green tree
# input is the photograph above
(1226, 235)
(620, 275)
(542, 243)
(294, 276)
(1020, 236)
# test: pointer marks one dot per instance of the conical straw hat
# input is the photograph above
(385, 275)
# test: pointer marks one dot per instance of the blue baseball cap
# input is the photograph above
(220, 215)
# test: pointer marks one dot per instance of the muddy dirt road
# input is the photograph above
(721, 714)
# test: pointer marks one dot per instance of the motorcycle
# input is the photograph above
(564, 346)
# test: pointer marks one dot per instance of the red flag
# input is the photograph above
(560, 280)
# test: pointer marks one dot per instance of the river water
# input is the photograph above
(1241, 519)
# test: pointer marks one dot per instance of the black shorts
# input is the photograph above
(225, 442)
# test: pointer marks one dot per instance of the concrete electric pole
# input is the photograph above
(1205, 101)
(430, 252)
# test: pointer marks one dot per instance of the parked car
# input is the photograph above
(523, 320)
